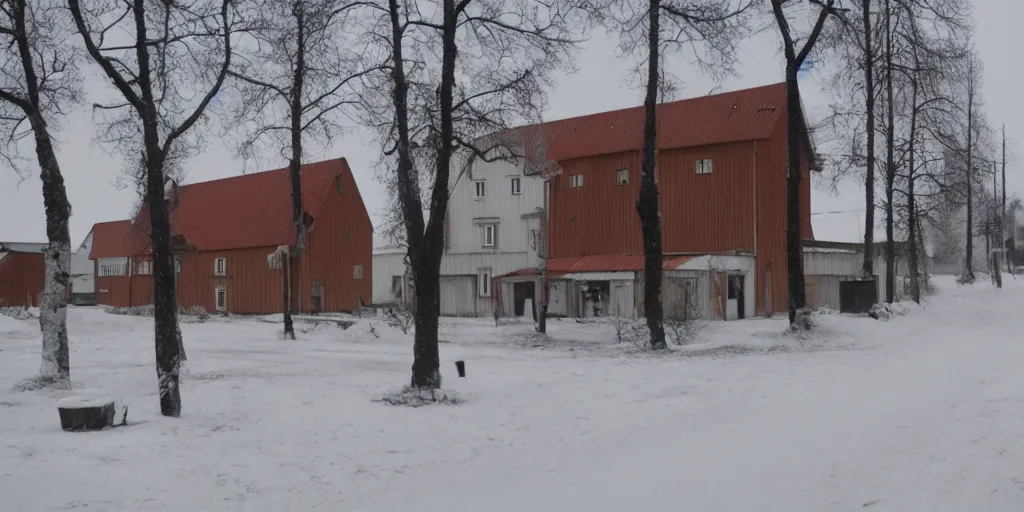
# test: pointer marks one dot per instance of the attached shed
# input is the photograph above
(693, 286)
(22, 273)
(826, 264)
(391, 279)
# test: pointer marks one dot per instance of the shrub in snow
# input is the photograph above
(417, 397)
(198, 313)
(884, 311)
(41, 382)
(194, 314)
(131, 311)
(804, 320)
(683, 331)
(965, 278)
(626, 329)
(17, 312)
(399, 318)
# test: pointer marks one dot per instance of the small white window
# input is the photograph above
(220, 298)
(517, 186)
(111, 270)
(396, 286)
(575, 180)
(480, 190)
(484, 281)
(704, 166)
(490, 235)
(622, 177)
(220, 266)
(357, 272)
(145, 268)
(177, 265)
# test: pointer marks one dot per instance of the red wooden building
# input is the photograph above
(22, 273)
(722, 163)
(226, 230)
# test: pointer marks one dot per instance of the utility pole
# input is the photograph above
(994, 229)
(1006, 250)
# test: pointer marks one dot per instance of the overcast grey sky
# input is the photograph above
(600, 84)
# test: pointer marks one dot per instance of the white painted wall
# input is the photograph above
(386, 265)
(731, 265)
(516, 216)
(82, 268)
(822, 261)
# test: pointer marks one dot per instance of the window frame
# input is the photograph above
(517, 186)
(357, 272)
(704, 166)
(622, 177)
(113, 270)
(220, 266)
(397, 286)
(479, 189)
(575, 181)
(491, 229)
(483, 281)
(217, 290)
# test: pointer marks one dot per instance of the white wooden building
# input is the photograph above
(826, 264)
(494, 226)
(390, 276)
(83, 280)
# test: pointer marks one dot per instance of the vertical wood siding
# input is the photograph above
(342, 238)
(772, 162)
(701, 213)
(114, 290)
(21, 279)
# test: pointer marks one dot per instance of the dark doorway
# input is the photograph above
(521, 292)
(857, 296)
(736, 285)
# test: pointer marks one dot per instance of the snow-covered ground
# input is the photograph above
(924, 412)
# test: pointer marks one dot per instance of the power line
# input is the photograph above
(837, 211)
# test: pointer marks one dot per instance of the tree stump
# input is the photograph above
(79, 413)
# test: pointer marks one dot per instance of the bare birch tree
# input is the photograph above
(971, 83)
(38, 81)
(167, 60)
(797, 136)
(458, 70)
(925, 41)
(706, 33)
(292, 86)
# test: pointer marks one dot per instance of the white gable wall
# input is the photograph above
(386, 266)
(82, 269)
(515, 217)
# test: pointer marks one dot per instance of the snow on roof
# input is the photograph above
(22, 247)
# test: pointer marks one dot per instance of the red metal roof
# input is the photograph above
(251, 210)
(113, 240)
(748, 114)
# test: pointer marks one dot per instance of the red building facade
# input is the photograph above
(226, 230)
(722, 164)
(22, 274)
